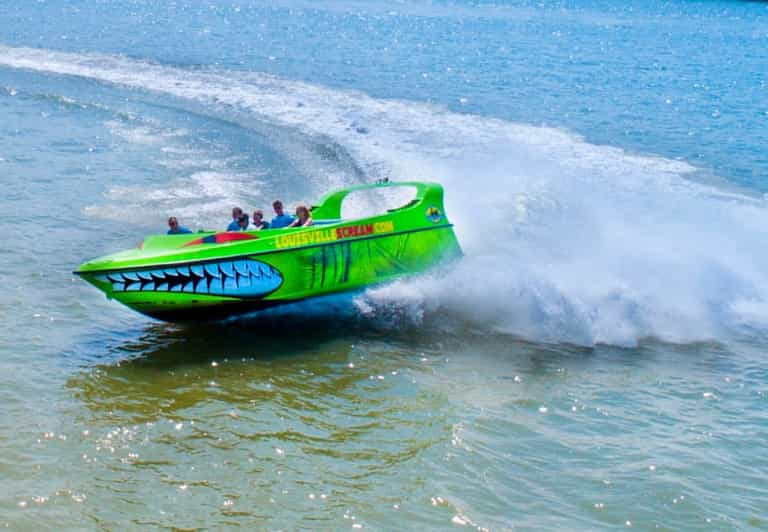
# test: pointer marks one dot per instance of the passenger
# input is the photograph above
(258, 221)
(233, 226)
(303, 218)
(175, 229)
(281, 219)
(242, 222)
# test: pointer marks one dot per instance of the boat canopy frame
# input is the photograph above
(329, 207)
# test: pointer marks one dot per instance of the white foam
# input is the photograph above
(201, 199)
(142, 133)
(565, 240)
(203, 186)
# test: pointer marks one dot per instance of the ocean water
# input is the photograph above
(596, 361)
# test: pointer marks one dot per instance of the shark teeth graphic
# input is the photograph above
(236, 278)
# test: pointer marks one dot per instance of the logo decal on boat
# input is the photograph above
(246, 278)
(322, 236)
(434, 215)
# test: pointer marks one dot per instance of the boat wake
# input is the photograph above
(565, 241)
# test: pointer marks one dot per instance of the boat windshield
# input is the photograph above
(376, 201)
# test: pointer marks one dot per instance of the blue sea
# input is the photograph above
(597, 360)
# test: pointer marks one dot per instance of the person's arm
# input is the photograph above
(308, 222)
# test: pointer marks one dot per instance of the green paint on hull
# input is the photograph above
(210, 275)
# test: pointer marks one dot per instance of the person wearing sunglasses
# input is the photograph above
(175, 229)
(281, 219)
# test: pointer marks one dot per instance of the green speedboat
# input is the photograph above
(209, 275)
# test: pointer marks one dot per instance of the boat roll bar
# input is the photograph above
(430, 194)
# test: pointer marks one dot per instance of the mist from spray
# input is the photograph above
(560, 253)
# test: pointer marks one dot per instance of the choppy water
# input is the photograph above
(597, 360)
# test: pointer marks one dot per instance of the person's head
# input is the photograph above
(302, 213)
(242, 221)
(236, 212)
(173, 224)
(278, 206)
(258, 216)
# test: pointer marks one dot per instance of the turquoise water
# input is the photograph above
(595, 361)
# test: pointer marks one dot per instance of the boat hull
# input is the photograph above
(214, 275)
